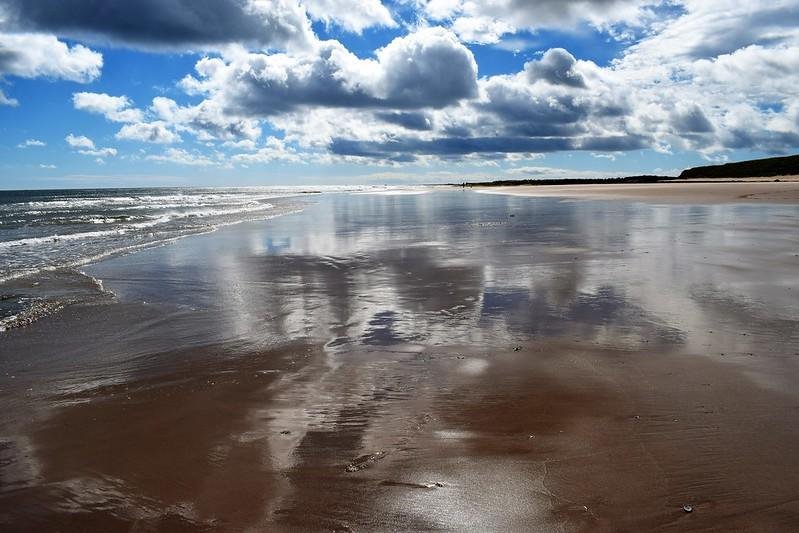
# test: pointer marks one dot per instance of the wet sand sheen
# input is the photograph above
(705, 192)
(541, 439)
(473, 371)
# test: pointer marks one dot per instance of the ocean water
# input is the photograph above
(46, 236)
(53, 229)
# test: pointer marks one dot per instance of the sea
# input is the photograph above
(47, 235)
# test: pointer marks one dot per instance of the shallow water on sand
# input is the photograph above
(446, 360)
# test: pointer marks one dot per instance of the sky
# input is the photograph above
(116, 93)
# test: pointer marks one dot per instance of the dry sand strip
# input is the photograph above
(706, 192)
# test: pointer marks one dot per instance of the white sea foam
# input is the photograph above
(127, 228)
(33, 241)
(42, 231)
(129, 247)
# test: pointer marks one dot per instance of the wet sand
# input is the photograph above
(448, 361)
(710, 191)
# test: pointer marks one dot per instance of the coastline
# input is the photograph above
(677, 191)
(419, 362)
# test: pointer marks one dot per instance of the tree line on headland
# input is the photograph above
(756, 168)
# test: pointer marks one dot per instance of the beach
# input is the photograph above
(443, 360)
(785, 190)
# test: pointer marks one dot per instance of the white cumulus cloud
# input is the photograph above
(86, 146)
(113, 108)
(32, 55)
(153, 132)
(352, 15)
(31, 143)
(427, 68)
(178, 156)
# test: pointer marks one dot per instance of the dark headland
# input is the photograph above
(774, 180)
(757, 168)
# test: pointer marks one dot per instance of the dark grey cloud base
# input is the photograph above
(154, 23)
(556, 67)
(460, 146)
(433, 73)
(408, 120)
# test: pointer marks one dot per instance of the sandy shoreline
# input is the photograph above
(785, 191)
(554, 436)
(572, 367)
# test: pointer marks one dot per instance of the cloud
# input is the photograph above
(708, 76)
(486, 22)
(5, 100)
(546, 173)
(80, 141)
(744, 126)
(711, 28)
(755, 70)
(409, 120)
(30, 55)
(153, 132)
(557, 66)
(99, 152)
(47, 166)
(689, 118)
(505, 116)
(536, 112)
(399, 149)
(352, 15)
(31, 142)
(113, 108)
(274, 150)
(166, 24)
(155, 125)
(86, 146)
(719, 76)
(480, 29)
(428, 68)
(357, 109)
(207, 121)
(182, 157)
